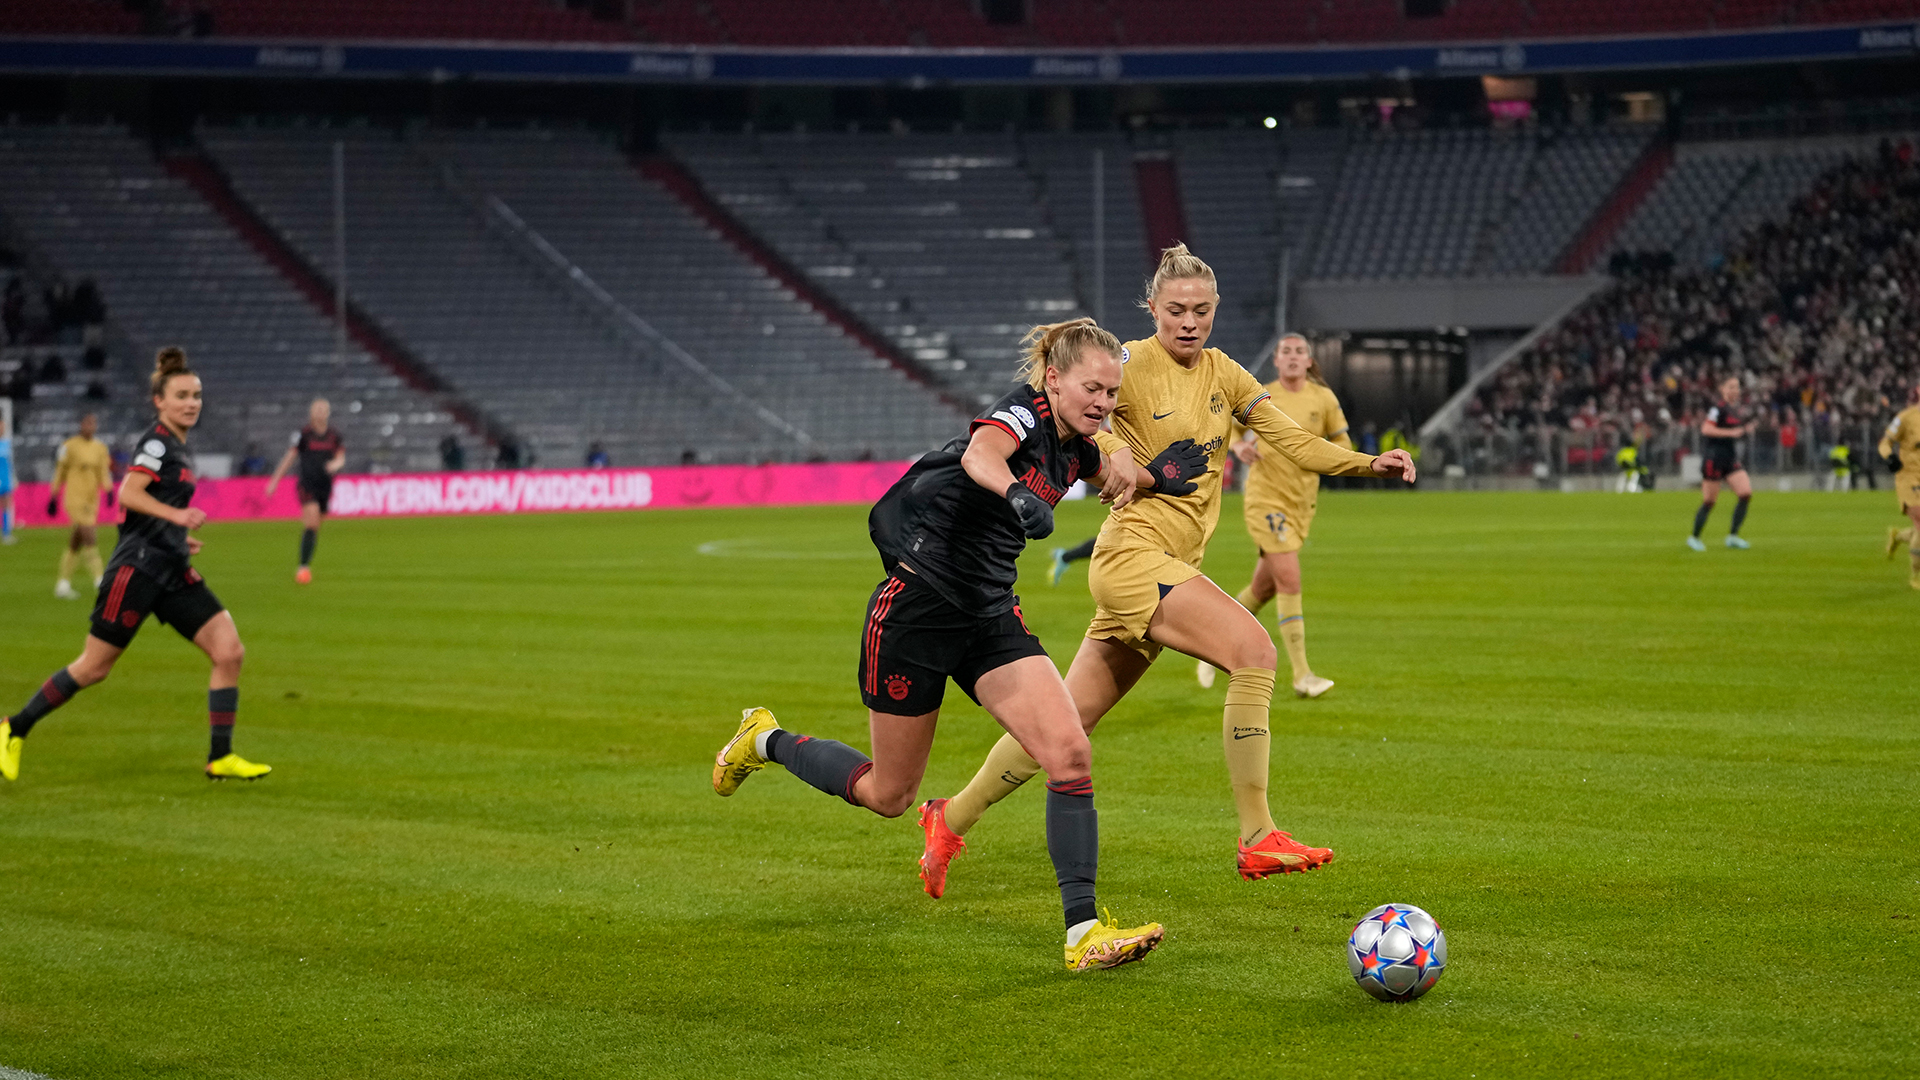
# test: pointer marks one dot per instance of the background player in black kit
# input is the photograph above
(150, 573)
(320, 452)
(949, 533)
(1720, 433)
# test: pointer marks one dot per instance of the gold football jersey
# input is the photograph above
(85, 467)
(1161, 403)
(1272, 480)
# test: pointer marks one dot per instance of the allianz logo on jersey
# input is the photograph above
(1104, 66)
(1509, 57)
(1890, 37)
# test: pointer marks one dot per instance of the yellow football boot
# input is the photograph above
(1106, 945)
(740, 759)
(9, 751)
(235, 767)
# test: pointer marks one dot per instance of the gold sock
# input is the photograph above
(1006, 768)
(1244, 736)
(90, 558)
(1245, 596)
(66, 564)
(1293, 634)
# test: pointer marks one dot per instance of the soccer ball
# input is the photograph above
(1397, 952)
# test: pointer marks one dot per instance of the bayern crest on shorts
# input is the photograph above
(1396, 952)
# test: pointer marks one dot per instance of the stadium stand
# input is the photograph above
(96, 203)
(1230, 180)
(939, 241)
(948, 23)
(1811, 308)
(1467, 201)
(1064, 165)
(533, 342)
(1716, 190)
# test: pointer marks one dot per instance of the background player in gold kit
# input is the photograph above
(1145, 575)
(83, 470)
(1900, 446)
(1280, 502)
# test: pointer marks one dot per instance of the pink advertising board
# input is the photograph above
(531, 491)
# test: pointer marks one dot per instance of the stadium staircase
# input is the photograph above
(192, 167)
(1160, 206)
(1596, 236)
(96, 203)
(684, 186)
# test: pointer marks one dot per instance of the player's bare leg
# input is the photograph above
(96, 661)
(310, 518)
(1198, 619)
(220, 640)
(1742, 486)
(1709, 493)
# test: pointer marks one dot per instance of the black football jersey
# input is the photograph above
(169, 465)
(1722, 414)
(315, 450)
(962, 539)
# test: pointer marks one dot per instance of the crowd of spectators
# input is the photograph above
(49, 332)
(1818, 314)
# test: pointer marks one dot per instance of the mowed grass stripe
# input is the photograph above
(1661, 801)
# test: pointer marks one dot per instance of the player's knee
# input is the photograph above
(891, 804)
(1256, 651)
(89, 672)
(1067, 757)
(228, 653)
(1288, 581)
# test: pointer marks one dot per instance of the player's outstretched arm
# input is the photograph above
(1316, 454)
(286, 462)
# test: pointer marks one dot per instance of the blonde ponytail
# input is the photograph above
(167, 363)
(1176, 263)
(1062, 346)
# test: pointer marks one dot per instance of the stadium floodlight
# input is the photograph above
(1271, 123)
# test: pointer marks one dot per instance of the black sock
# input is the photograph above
(1084, 551)
(1739, 514)
(1700, 517)
(833, 767)
(1073, 840)
(51, 695)
(221, 705)
(308, 538)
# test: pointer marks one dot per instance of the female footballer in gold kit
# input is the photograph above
(1145, 577)
(1280, 502)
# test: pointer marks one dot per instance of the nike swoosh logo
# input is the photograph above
(1163, 415)
(1252, 733)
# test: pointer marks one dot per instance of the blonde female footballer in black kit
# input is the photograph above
(1145, 575)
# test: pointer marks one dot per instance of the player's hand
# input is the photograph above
(1176, 467)
(1036, 517)
(194, 544)
(1248, 452)
(113, 497)
(271, 484)
(1394, 464)
(1120, 483)
(192, 517)
(1893, 462)
(53, 507)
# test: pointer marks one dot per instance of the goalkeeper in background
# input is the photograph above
(83, 469)
(1900, 446)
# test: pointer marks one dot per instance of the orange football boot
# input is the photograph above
(1280, 853)
(942, 845)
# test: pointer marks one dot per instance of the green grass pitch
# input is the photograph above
(1663, 803)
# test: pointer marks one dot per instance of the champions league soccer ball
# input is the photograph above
(1397, 952)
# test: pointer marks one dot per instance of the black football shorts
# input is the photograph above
(916, 640)
(1720, 466)
(128, 595)
(316, 491)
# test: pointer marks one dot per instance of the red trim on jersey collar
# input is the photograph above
(1001, 424)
